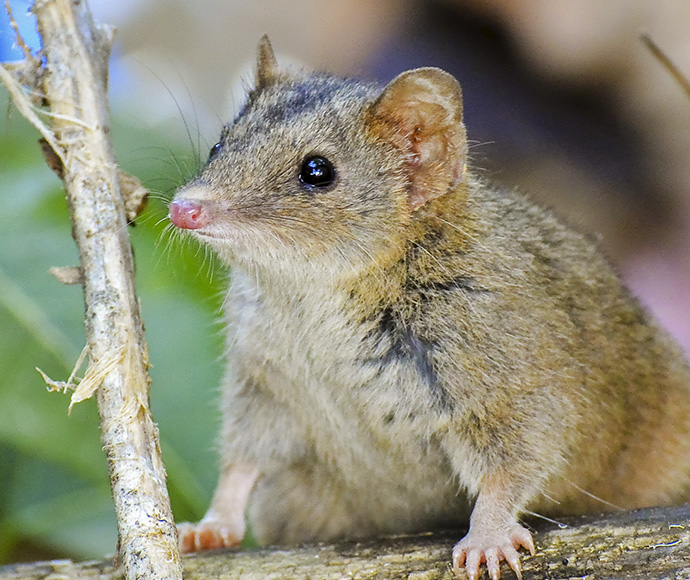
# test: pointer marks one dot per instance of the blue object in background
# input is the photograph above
(27, 28)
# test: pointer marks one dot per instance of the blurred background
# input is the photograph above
(561, 100)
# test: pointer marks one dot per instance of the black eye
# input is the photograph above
(317, 171)
(214, 151)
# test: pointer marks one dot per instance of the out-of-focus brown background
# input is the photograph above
(562, 100)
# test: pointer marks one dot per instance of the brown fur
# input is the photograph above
(411, 338)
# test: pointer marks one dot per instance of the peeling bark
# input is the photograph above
(65, 97)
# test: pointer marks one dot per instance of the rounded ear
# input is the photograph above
(421, 112)
(266, 64)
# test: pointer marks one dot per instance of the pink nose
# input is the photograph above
(188, 215)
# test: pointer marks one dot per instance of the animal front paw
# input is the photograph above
(207, 535)
(491, 547)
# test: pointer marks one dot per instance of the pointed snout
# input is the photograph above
(188, 214)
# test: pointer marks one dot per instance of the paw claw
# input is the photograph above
(493, 563)
(474, 561)
(491, 547)
(513, 559)
(207, 535)
(522, 537)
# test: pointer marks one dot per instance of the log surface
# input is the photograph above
(642, 544)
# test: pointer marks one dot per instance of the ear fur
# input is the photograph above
(422, 110)
(266, 64)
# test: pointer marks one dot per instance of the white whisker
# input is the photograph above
(561, 525)
(596, 498)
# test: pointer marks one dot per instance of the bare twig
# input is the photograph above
(666, 62)
(18, 37)
(73, 83)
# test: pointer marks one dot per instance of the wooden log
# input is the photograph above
(634, 545)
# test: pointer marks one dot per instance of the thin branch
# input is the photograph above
(28, 57)
(26, 108)
(73, 83)
(666, 62)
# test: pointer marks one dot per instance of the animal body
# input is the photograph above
(409, 347)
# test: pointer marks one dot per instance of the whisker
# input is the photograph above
(596, 498)
(163, 219)
(474, 144)
(177, 106)
(561, 525)
(197, 152)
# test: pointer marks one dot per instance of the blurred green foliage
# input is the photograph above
(54, 492)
